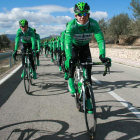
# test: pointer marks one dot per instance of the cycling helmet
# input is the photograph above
(34, 29)
(53, 39)
(81, 7)
(23, 22)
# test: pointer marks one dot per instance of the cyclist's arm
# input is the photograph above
(68, 41)
(33, 40)
(17, 39)
(100, 39)
(62, 40)
(38, 41)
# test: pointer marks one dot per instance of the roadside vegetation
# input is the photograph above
(120, 29)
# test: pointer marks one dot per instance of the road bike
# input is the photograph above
(28, 71)
(84, 96)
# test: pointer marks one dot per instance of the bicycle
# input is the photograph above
(27, 71)
(84, 93)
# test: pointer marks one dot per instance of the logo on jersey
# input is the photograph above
(83, 37)
(26, 38)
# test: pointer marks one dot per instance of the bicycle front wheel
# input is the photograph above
(26, 79)
(90, 111)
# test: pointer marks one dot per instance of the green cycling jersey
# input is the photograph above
(37, 42)
(81, 35)
(63, 40)
(26, 37)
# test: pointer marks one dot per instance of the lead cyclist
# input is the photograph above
(78, 34)
(27, 36)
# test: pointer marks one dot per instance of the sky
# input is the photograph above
(49, 17)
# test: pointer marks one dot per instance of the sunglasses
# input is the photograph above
(82, 14)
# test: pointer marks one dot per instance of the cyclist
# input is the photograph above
(63, 50)
(54, 48)
(37, 44)
(28, 42)
(51, 49)
(59, 52)
(77, 37)
(46, 47)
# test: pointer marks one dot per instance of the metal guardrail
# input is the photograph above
(7, 55)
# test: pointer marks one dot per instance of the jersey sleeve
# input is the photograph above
(68, 40)
(38, 41)
(33, 40)
(62, 40)
(17, 39)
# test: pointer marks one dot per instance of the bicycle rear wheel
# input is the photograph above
(90, 112)
(27, 79)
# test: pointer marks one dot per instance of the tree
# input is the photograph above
(135, 6)
(4, 41)
(118, 25)
(103, 25)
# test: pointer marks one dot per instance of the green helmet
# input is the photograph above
(34, 29)
(81, 7)
(23, 22)
(53, 39)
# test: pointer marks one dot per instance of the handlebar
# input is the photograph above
(106, 64)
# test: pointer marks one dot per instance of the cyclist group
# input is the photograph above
(73, 43)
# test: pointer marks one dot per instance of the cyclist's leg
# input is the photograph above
(60, 59)
(37, 56)
(23, 50)
(45, 51)
(85, 56)
(51, 54)
(32, 61)
(71, 86)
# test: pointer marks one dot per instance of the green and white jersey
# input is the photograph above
(54, 45)
(26, 37)
(63, 40)
(58, 43)
(81, 35)
(37, 42)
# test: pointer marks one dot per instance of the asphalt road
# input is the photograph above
(49, 112)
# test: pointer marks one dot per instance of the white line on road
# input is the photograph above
(9, 75)
(98, 82)
(121, 100)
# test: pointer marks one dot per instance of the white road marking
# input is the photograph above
(98, 82)
(121, 100)
(9, 75)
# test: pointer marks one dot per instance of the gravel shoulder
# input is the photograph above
(128, 55)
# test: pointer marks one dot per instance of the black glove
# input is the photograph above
(105, 60)
(14, 54)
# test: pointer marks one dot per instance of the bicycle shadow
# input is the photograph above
(107, 112)
(21, 132)
(125, 127)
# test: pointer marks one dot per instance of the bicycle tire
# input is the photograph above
(31, 75)
(90, 119)
(26, 79)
